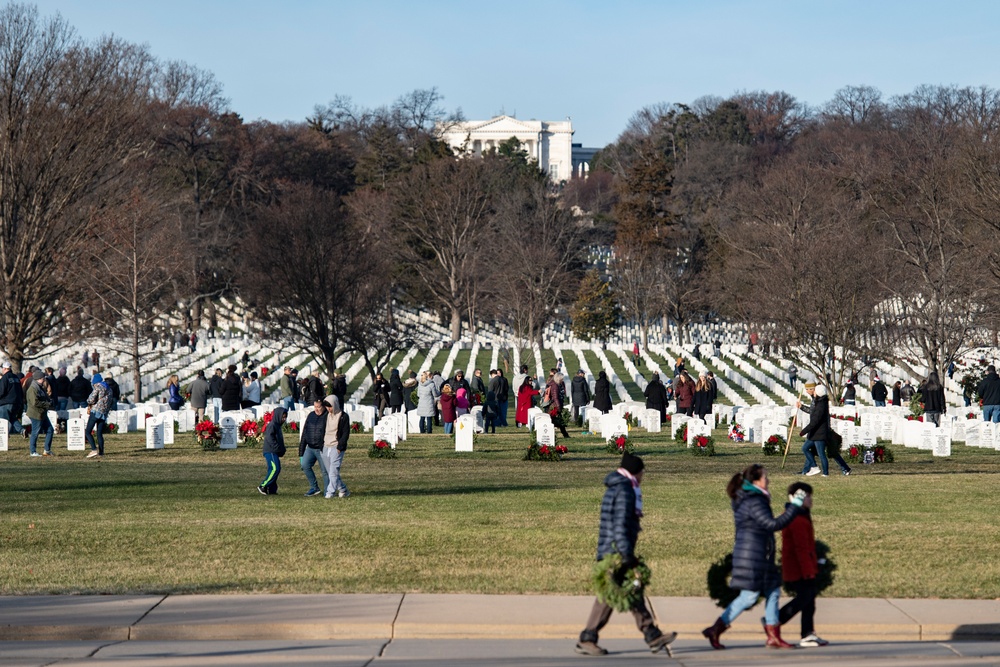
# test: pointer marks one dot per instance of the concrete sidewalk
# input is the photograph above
(421, 616)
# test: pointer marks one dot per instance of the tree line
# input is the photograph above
(129, 189)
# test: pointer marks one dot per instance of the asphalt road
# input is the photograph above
(480, 653)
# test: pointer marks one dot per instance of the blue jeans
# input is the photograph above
(309, 459)
(879, 404)
(991, 413)
(270, 483)
(217, 410)
(426, 424)
(447, 427)
(78, 404)
(820, 446)
(334, 459)
(288, 403)
(62, 403)
(502, 417)
(99, 423)
(36, 427)
(748, 599)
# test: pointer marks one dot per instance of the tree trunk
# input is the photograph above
(136, 369)
(456, 324)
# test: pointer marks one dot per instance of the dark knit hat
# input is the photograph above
(632, 463)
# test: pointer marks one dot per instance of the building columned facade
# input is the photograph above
(549, 144)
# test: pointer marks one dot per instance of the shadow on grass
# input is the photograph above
(460, 490)
(96, 484)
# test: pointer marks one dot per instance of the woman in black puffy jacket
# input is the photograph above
(755, 574)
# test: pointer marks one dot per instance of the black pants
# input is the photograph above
(804, 602)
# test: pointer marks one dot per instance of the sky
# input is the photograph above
(595, 61)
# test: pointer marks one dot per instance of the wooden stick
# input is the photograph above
(788, 440)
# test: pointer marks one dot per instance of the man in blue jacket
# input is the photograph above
(621, 510)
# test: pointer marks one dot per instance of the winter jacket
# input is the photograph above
(63, 386)
(879, 391)
(314, 391)
(754, 550)
(989, 389)
(703, 401)
(79, 388)
(338, 430)
(524, 397)
(426, 396)
(447, 408)
(284, 387)
(580, 391)
(684, 395)
(215, 386)
(38, 401)
(656, 396)
(602, 393)
(8, 388)
(818, 427)
(896, 396)
(798, 548)
(395, 390)
(619, 527)
(339, 388)
(116, 392)
(380, 390)
(500, 387)
(199, 392)
(175, 399)
(313, 432)
(274, 439)
(99, 401)
(232, 392)
(850, 393)
(477, 385)
(457, 384)
(408, 388)
(933, 400)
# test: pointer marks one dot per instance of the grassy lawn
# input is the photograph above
(431, 520)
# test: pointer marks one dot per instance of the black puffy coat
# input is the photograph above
(753, 554)
(879, 391)
(602, 394)
(232, 392)
(619, 527)
(395, 390)
(934, 399)
(989, 389)
(818, 427)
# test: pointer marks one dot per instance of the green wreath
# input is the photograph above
(619, 590)
(719, 573)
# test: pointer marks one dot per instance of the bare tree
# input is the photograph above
(72, 114)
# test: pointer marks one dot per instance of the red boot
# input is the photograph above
(713, 633)
(774, 639)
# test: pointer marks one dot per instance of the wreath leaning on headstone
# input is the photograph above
(620, 590)
(721, 570)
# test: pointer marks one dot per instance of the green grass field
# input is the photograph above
(432, 520)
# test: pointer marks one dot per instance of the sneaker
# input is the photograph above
(262, 490)
(846, 473)
(344, 494)
(663, 643)
(328, 496)
(312, 492)
(825, 475)
(813, 471)
(46, 453)
(34, 454)
(92, 453)
(812, 641)
(589, 648)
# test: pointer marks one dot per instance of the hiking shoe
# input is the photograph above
(312, 492)
(812, 641)
(813, 471)
(663, 643)
(92, 453)
(345, 494)
(589, 648)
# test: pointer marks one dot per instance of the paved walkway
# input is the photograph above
(455, 617)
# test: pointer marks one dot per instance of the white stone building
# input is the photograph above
(550, 144)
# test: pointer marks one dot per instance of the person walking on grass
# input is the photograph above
(755, 574)
(800, 567)
(338, 430)
(39, 403)
(621, 511)
(98, 405)
(311, 439)
(817, 434)
(273, 449)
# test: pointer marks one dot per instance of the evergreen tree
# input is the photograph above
(595, 313)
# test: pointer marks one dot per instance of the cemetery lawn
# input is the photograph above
(181, 520)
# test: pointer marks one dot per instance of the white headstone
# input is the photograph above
(465, 431)
(121, 419)
(540, 420)
(972, 433)
(167, 420)
(986, 435)
(154, 433)
(928, 437)
(75, 438)
(546, 434)
(477, 414)
(385, 430)
(652, 421)
(942, 444)
(186, 419)
(533, 413)
(358, 416)
(867, 435)
(612, 426)
(412, 422)
(3, 435)
(229, 432)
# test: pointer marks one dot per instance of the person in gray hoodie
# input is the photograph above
(273, 449)
(338, 430)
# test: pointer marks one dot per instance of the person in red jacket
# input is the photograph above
(799, 568)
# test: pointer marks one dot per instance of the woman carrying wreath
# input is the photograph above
(755, 574)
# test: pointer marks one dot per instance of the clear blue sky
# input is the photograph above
(597, 61)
